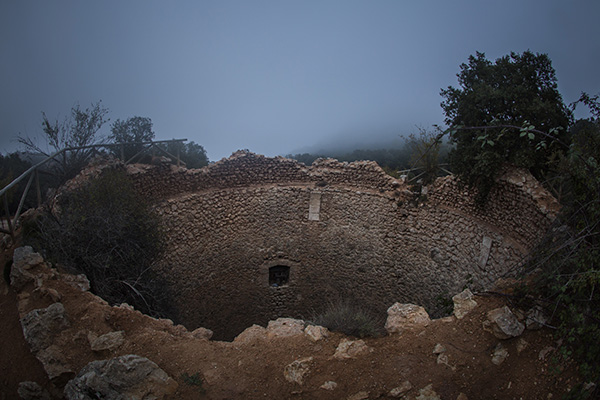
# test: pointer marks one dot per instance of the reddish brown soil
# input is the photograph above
(255, 370)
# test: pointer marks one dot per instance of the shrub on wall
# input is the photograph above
(107, 232)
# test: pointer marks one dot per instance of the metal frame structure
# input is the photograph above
(33, 174)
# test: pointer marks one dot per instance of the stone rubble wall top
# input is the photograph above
(248, 169)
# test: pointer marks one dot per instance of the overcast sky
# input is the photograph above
(274, 77)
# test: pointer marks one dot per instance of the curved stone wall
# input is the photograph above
(346, 231)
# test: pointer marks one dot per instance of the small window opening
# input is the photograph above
(279, 275)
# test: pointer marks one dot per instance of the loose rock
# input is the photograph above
(202, 333)
(24, 258)
(55, 364)
(251, 334)
(316, 333)
(32, 391)
(401, 390)
(108, 341)
(427, 393)
(439, 348)
(359, 396)
(521, 345)
(402, 316)
(544, 353)
(350, 349)
(285, 327)
(80, 281)
(503, 324)
(535, 318)
(329, 385)
(51, 293)
(463, 303)
(124, 377)
(297, 370)
(41, 326)
(500, 354)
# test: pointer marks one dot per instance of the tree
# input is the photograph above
(425, 154)
(566, 261)
(192, 154)
(516, 90)
(195, 155)
(81, 129)
(135, 129)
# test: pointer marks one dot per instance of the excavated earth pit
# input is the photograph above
(252, 238)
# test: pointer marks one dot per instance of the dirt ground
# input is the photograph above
(255, 370)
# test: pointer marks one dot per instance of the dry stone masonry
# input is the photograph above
(252, 238)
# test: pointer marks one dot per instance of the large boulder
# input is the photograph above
(251, 334)
(402, 316)
(284, 327)
(120, 378)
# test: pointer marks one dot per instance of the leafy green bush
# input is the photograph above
(517, 90)
(350, 319)
(106, 231)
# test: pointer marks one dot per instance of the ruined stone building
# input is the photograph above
(252, 238)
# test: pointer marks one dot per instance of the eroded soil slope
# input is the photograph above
(254, 368)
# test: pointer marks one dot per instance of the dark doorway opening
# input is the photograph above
(279, 275)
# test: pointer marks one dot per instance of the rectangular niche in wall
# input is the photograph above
(486, 246)
(314, 207)
(279, 275)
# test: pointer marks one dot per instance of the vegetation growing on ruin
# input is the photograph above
(566, 264)
(350, 319)
(106, 231)
(511, 111)
(518, 90)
